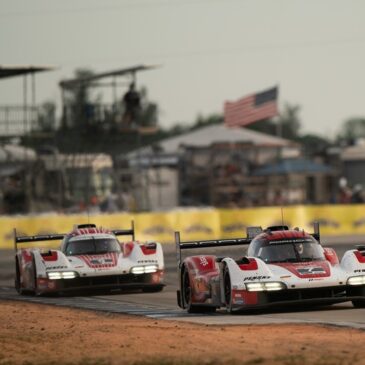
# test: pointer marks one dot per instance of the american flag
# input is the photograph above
(251, 108)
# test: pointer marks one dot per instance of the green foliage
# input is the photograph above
(148, 116)
(264, 126)
(286, 126)
(313, 144)
(352, 129)
(47, 117)
(202, 121)
(290, 121)
(78, 103)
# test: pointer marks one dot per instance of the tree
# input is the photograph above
(148, 115)
(313, 144)
(286, 126)
(202, 121)
(264, 126)
(289, 121)
(352, 129)
(79, 108)
(47, 117)
(181, 128)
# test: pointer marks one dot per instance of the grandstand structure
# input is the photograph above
(21, 119)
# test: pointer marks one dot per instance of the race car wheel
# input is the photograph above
(227, 289)
(152, 289)
(34, 278)
(186, 291)
(17, 277)
(18, 288)
(186, 297)
(360, 303)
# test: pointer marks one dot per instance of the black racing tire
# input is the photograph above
(33, 290)
(186, 297)
(227, 289)
(153, 289)
(17, 277)
(359, 303)
(18, 287)
(186, 292)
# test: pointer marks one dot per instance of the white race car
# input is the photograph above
(282, 267)
(89, 258)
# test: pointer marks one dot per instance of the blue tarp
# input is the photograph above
(292, 166)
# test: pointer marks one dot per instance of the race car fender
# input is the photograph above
(201, 270)
(242, 271)
(48, 261)
(25, 268)
(353, 261)
(200, 264)
(150, 252)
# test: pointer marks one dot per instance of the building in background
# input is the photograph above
(17, 167)
(297, 181)
(78, 181)
(210, 166)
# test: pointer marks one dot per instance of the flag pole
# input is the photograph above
(279, 125)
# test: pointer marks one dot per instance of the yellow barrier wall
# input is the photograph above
(195, 223)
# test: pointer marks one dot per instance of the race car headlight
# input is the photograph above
(148, 269)
(356, 280)
(255, 286)
(269, 286)
(57, 275)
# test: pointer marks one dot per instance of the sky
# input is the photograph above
(209, 51)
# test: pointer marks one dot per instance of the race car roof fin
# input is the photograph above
(316, 233)
(125, 232)
(86, 225)
(253, 231)
(277, 228)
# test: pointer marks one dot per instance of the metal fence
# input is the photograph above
(17, 121)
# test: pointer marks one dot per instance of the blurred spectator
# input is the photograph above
(345, 192)
(14, 197)
(110, 204)
(132, 105)
(357, 194)
(278, 198)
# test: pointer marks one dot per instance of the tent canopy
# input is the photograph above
(12, 71)
(71, 83)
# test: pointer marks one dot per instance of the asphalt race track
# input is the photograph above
(163, 305)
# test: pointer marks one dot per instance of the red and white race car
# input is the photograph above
(89, 258)
(282, 267)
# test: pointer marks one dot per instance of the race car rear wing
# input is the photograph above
(252, 232)
(184, 245)
(37, 238)
(55, 237)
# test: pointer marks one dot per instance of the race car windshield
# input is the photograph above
(295, 251)
(92, 246)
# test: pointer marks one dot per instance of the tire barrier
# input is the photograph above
(195, 224)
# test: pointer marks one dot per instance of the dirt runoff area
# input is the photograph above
(40, 334)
